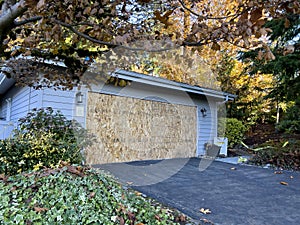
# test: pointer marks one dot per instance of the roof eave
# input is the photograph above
(157, 81)
(5, 83)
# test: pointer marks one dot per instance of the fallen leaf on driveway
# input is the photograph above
(283, 183)
(180, 218)
(138, 193)
(206, 221)
(205, 211)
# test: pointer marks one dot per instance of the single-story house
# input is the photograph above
(147, 118)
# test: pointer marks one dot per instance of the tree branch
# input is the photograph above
(71, 28)
(29, 20)
(109, 44)
(194, 44)
(207, 17)
(7, 18)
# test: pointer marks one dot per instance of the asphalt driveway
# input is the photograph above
(235, 194)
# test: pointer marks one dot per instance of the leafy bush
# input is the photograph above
(234, 130)
(43, 138)
(291, 122)
(289, 126)
(76, 195)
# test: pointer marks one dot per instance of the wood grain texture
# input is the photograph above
(129, 129)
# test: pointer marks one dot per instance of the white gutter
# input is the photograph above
(161, 82)
(226, 100)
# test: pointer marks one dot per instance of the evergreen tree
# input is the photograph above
(285, 67)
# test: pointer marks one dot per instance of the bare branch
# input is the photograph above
(207, 17)
(195, 44)
(109, 44)
(29, 20)
(71, 28)
(7, 18)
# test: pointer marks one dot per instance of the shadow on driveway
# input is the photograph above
(235, 194)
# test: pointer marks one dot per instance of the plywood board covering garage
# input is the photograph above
(129, 129)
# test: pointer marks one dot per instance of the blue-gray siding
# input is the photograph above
(25, 98)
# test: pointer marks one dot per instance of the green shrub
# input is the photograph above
(291, 122)
(43, 139)
(289, 126)
(234, 130)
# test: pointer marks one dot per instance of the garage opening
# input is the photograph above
(130, 129)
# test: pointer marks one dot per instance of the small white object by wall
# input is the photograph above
(223, 143)
(79, 110)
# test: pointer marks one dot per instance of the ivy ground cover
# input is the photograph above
(76, 195)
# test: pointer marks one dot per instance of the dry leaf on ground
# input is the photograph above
(205, 211)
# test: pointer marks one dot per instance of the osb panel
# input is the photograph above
(129, 129)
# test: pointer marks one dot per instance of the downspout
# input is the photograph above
(218, 104)
(226, 100)
(222, 141)
(3, 78)
(8, 111)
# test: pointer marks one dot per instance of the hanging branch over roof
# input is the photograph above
(67, 28)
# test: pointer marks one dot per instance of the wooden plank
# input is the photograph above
(130, 129)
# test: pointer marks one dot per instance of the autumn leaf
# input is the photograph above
(205, 211)
(27, 53)
(138, 193)
(288, 50)
(163, 18)
(40, 4)
(38, 209)
(287, 23)
(256, 14)
(122, 221)
(131, 216)
(215, 46)
(92, 195)
(284, 183)
(2, 176)
(87, 10)
(72, 169)
(278, 172)
(260, 55)
(157, 217)
(180, 218)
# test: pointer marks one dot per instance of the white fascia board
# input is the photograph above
(5, 83)
(161, 82)
(45, 61)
